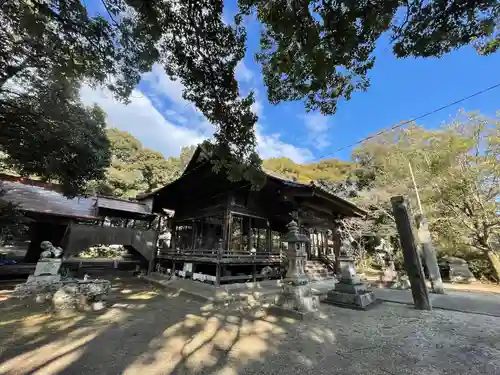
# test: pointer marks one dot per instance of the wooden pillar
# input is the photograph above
(410, 252)
(202, 220)
(193, 233)
(269, 238)
(254, 272)
(155, 247)
(250, 234)
(240, 225)
(220, 250)
(173, 237)
(323, 250)
(217, 274)
(336, 246)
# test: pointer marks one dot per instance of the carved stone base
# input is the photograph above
(352, 295)
(351, 288)
(295, 301)
(356, 301)
(43, 279)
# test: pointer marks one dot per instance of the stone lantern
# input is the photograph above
(296, 293)
(350, 291)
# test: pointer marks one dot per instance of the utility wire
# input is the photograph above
(395, 126)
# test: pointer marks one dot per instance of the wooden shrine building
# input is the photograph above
(229, 232)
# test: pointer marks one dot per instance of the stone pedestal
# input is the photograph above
(350, 291)
(45, 280)
(81, 295)
(47, 267)
(401, 282)
(296, 298)
(459, 271)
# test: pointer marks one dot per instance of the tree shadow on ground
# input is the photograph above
(148, 331)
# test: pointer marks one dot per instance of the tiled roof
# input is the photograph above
(38, 199)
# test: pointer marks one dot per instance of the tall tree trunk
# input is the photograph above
(495, 263)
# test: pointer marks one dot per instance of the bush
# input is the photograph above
(103, 251)
(481, 269)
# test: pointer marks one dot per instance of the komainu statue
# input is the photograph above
(50, 251)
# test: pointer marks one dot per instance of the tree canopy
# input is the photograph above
(48, 132)
(317, 51)
(135, 169)
(322, 51)
(457, 171)
(114, 47)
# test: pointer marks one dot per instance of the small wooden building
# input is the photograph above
(50, 213)
(227, 230)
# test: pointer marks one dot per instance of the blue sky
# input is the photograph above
(400, 90)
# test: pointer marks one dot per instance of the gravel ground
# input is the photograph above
(149, 332)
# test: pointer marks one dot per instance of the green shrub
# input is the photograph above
(103, 251)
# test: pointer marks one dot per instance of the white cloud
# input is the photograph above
(166, 94)
(160, 83)
(142, 119)
(257, 108)
(271, 146)
(318, 126)
(243, 73)
(166, 126)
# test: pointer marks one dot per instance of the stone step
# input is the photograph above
(317, 271)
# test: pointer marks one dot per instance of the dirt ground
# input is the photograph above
(146, 331)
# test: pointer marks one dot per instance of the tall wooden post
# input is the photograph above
(220, 250)
(411, 257)
(336, 246)
(152, 262)
(250, 234)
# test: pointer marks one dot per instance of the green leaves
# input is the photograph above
(321, 51)
(135, 169)
(457, 173)
(49, 133)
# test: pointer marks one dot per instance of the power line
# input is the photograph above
(395, 126)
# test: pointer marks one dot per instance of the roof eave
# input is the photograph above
(356, 210)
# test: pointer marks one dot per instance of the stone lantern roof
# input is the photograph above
(293, 234)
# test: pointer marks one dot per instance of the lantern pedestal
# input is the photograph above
(296, 298)
(350, 291)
